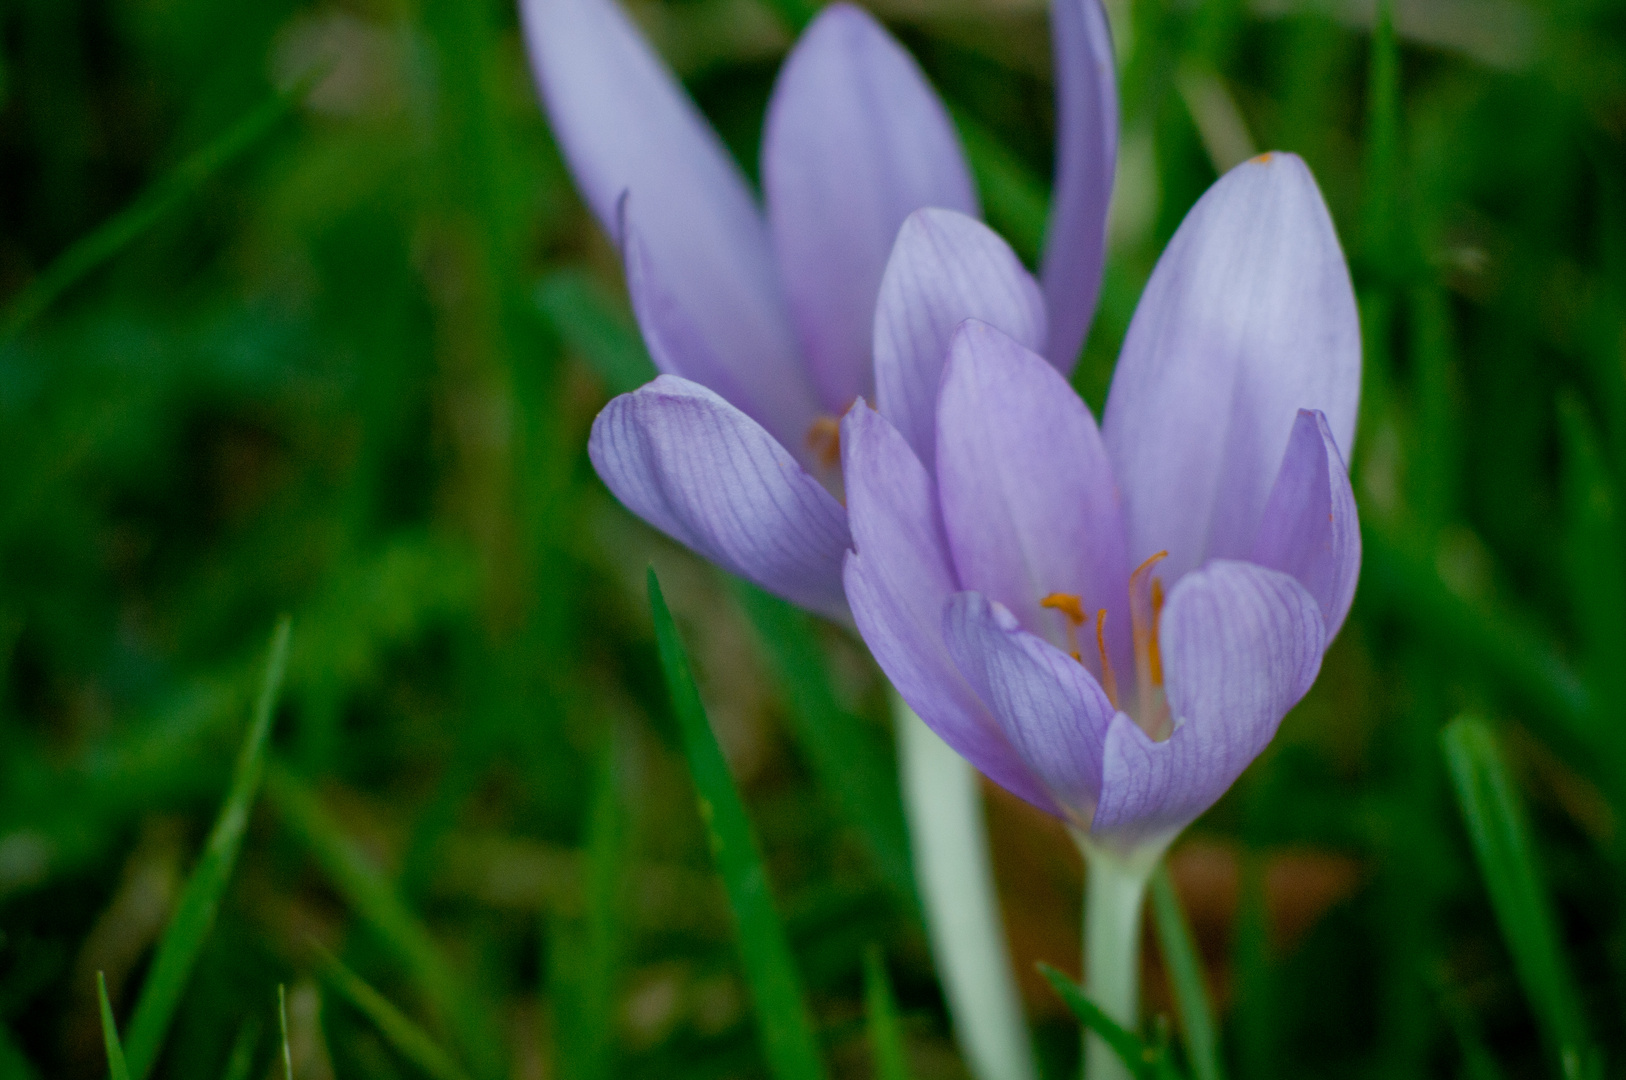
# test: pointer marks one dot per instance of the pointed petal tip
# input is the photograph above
(855, 140)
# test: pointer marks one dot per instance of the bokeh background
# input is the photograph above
(299, 314)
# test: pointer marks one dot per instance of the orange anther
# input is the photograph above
(1264, 159)
(1069, 604)
(824, 439)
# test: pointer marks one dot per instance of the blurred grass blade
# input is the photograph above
(116, 1067)
(1501, 838)
(594, 324)
(1184, 966)
(881, 1018)
(1400, 575)
(194, 916)
(782, 1018)
(282, 1023)
(375, 901)
(1593, 545)
(584, 960)
(1016, 202)
(1140, 1059)
(240, 1063)
(151, 206)
(1381, 221)
(849, 760)
(409, 1040)
(14, 1064)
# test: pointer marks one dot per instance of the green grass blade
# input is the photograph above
(584, 958)
(282, 1022)
(595, 325)
(881, 1017)
(374, 899)
(240, 1063)
(1016, 202)
(1405, 578)
(150, 207)
(14, 1064)
(848, 759)
(1184, 966)
(116, 1067)
(782, 1017)
(1382, 227)
(1500, 833)
(195, 914)
(1139, 1058)
(409, 1040)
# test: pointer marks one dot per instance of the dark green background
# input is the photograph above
(343, 366)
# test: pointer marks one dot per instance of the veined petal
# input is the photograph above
(1310, 529)
(1027, 495)
(784, 406)
(1248, 318)
(624, 124)
(855, 141)
(1086, 157)
(710, 477)
(1240, 645)
(945, 268)
(1051, 710)
(899, 582)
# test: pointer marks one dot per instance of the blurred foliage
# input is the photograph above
(302, 316)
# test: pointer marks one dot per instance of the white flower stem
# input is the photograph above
(1114, 897)
(949, 840)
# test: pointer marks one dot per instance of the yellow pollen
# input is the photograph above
(1264, 159)
(1069, 604)
(824, 439)
(1072, 606)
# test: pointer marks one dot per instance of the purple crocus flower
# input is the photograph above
(1111, 622)
(762, 321)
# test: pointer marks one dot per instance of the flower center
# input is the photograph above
(824, 440)
(1151, 705)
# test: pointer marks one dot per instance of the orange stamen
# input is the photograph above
(1109, 681)
(1145, 608)
(1070, 605)
(1156, 652)
(824, 439)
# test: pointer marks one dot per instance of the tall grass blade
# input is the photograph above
(1382, 227)
(14, 1064)
(1180, 957)
(881, 1019)
(195, 914)
(375, 900)
(782, 1017)
(1140, 1058)
(116, 1067)
(1016, 202)
(240, 1062)
(585, 959)
(1500, 833)
(595, 325)
(409, 1040)
(850, 762)
(151, 206)
(282, 1022)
